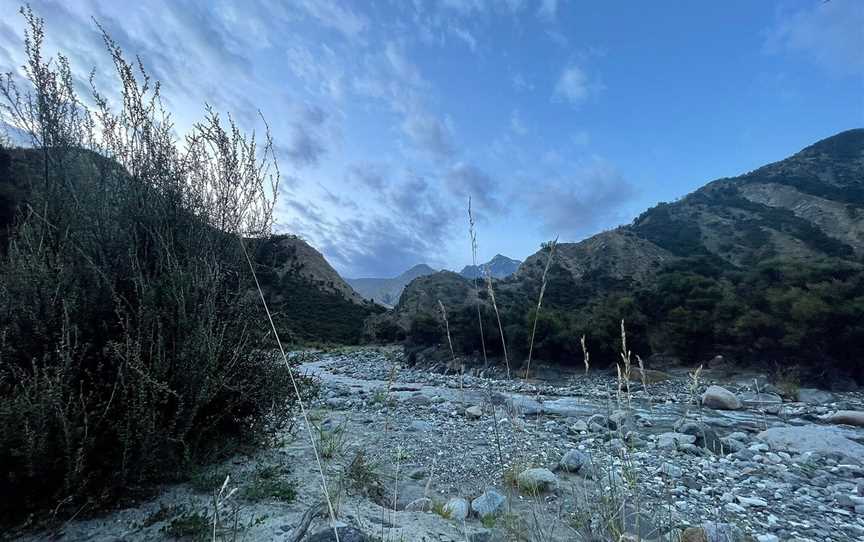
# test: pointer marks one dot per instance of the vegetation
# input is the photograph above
(129, 343)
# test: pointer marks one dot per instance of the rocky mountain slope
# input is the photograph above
(387, 291)
(712, 272)
(499, 267)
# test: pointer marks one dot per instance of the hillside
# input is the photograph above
(310, 301)
(385, 291)
(764, 267)
(499, 267)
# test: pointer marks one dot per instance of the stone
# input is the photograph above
(694, 534)
(475, 412)
(847, 417)
(573, 461)
(812, 396)
(456, 509)
(812, 438)
(422, 504)
(722, 532)
(752, 501)
(706, 437)
(346, 534)
(524, 405)
(419, 426)
(672, 440)
(767, 538)
(537, 479)
(720, 398)
(566, 407)
(488, 504)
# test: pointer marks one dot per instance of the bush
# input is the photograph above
(128, 340)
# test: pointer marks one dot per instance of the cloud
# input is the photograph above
(429, 134)
(366, 175)
(336, 16)
(831, 34)
(520, 84)
(582, 201)
(465, 180)
(517, 124)
(572, 85)
(548, 10)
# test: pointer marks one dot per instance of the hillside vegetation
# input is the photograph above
(764, 268)
(132, 341)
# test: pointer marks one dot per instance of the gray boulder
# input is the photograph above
(456, 508)
(573, 461)
(812, 438)
(720, 398)
(488, 504)
(672, 440)
(537, 479)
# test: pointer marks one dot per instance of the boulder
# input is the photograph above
(812, 396)
(812, 438)
(536, 480)
(672, 440)
(706, 437)
(474, 412)
(524, 405)
(456, 508)
(720, 398)
(488, 504)
(573, 461)
(848, 417)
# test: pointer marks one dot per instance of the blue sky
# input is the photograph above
(557, 117)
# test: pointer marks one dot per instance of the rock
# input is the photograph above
(422, 504)
(573, 461)
(566, 407)
(419, 426)
(488, 504)
(674, 441)
(579, 426)
(722, 532)
(456, 508)
(346, 534)
(848, 417)
(475, 412)
(706, 437)
(767, 538)
(537, 479)
(418, 474)
(524, 405)
(812, 396)
(752, 501)
(760, 400)
(694, 534)
(720, 398)
(812, 438)
(418, 399)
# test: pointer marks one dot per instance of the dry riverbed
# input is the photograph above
(415, 455)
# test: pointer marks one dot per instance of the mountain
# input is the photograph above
(765, 267)
(387, 291)
(499, 267)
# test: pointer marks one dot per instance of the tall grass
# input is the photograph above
(539, 303)
(128, 338)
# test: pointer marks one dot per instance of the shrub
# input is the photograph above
(128, 340)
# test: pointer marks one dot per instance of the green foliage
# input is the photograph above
(129, 346)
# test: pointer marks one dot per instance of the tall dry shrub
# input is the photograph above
(129, 341)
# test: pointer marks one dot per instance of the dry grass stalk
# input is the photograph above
(643, 375)
(453, 352)
(626, 357)
(586, 356)
(498, 317)
(539, 303)
(299, 396)
(472, 233)
(695, 383)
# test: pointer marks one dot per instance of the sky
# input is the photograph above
(558, 118)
